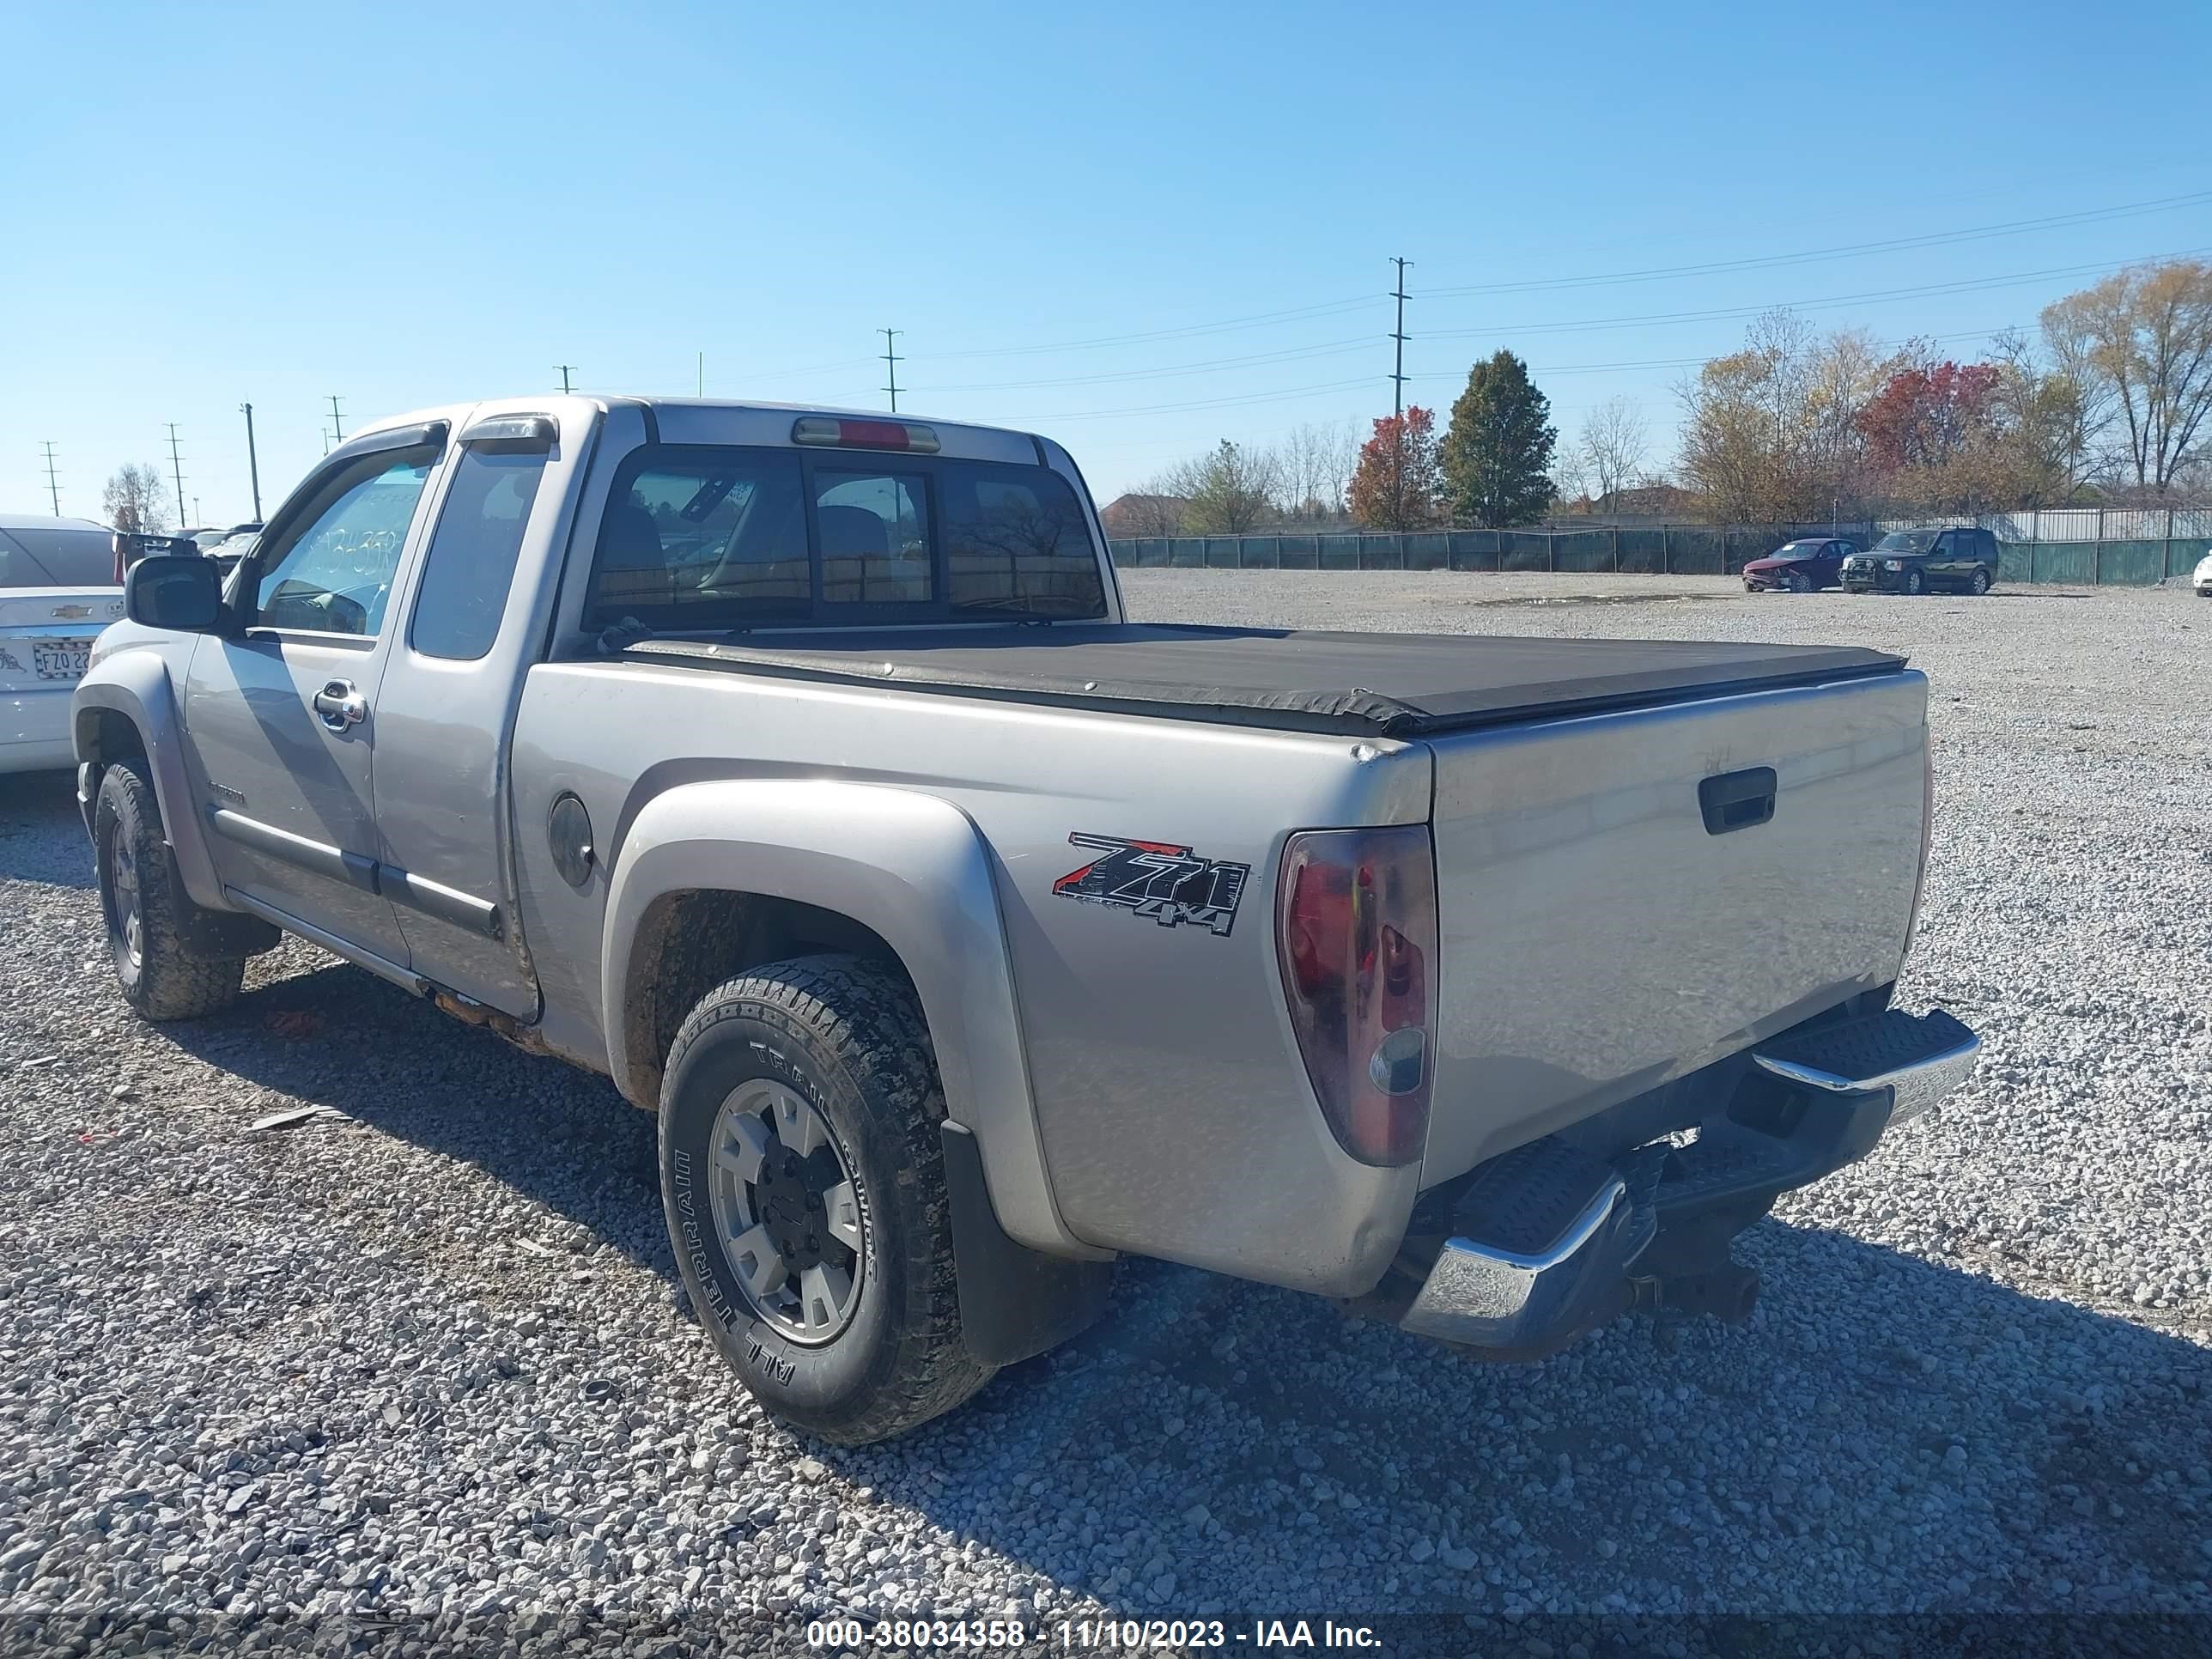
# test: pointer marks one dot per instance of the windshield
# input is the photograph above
(1795, 550)
(1907, 541)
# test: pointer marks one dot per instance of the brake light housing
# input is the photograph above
(838, 432)
(1357, 938)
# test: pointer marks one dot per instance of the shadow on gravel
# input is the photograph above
(33, 807)
(1905, 1434)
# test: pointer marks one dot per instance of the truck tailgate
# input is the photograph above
(1607, 926)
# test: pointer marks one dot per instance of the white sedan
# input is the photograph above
(56, 591)
(2203, 578)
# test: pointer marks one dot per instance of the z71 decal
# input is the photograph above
(1170, 884)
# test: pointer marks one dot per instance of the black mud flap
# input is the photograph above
(1015, 1303)
(211, 935)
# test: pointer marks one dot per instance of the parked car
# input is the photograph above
(1959, 558)
(55, 596)
(799, 770)
(2203, 577)
(1802, 565)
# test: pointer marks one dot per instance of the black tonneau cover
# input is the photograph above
(1394, 685)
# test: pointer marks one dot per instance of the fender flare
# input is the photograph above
(908, 865)
(135, 685)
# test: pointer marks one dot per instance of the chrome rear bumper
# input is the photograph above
(1548, 1241)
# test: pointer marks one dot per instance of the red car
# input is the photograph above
(1801, 566)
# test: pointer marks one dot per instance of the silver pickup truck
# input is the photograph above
(798, 771)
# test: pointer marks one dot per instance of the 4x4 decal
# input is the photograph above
(1169, 884)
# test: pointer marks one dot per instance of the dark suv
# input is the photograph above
(1962, 558)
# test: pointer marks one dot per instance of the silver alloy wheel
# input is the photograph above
(787, 1211)
(126, 915)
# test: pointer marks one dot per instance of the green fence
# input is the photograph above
(1657, 550)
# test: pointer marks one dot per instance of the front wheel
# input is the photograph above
(145, 937)
(1798, 582)
(1915, 582)
(803, 1178)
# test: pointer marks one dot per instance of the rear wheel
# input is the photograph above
(1979, 583)
(803, 1177)
(139, 907)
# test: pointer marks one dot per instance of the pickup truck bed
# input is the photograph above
(1387, 685)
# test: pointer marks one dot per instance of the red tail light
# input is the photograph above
(1356, 929)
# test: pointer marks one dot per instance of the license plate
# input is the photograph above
(65, 659)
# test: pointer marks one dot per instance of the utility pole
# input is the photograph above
(891, 356)
(336, 428)
(1398, 368)
(177, 470)
(53, 484)
(1398, 398)
(252, 461)
(564, 369)
(703, 374)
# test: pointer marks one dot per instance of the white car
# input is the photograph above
(2202, 581)
(57, 591)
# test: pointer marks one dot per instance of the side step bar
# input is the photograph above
(1545, 1240)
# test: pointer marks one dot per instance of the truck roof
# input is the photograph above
(732, 420)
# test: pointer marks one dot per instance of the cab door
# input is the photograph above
(280, 712)
(477, 613)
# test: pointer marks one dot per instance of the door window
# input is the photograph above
(333, 575)
(470, 566)
(874, 530)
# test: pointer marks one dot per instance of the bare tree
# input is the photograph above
(1612, 449)
(2147, 333)
(1317, 464)
(1230, 489)
(136, 500)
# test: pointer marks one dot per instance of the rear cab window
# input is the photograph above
(710, 539)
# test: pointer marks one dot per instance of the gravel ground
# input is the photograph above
(424, 1352)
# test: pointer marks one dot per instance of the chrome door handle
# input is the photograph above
(339, 706)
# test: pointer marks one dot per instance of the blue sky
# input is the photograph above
(210, 206)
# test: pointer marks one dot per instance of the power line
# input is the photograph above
(1270, 318)
(176, 469)
(1851, 251)
(564, 369)
(891, 356)
(1362, 342)
(337, 430)
(1875, 296)
(53, 484)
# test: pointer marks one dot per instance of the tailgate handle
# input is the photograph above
(1737, 801)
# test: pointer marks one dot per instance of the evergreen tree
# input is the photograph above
(1497, 459)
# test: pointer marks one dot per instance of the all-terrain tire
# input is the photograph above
(847, 1036)
(159, 980)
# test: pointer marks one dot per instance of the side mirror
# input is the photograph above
(182, 592)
